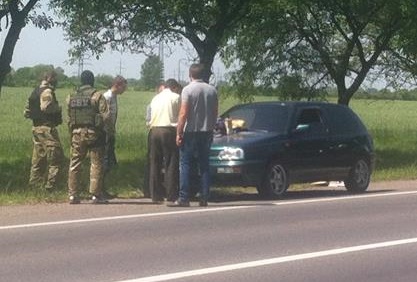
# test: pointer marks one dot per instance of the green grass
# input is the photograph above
(392, 124)
(393, 127)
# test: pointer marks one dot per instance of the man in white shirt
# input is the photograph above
(163, 150)
(118, 86)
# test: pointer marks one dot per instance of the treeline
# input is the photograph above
(386, 94)
(31, 77)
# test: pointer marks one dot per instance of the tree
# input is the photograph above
(151, 72)
(14, 15)
(134, 24)
(290, 88)
(30, 76)
(323, 40)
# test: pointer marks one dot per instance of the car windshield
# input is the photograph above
(264, 117)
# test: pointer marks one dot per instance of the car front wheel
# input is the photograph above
(275, 182)
(359, 177)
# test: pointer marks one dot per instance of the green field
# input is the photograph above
(392, 124)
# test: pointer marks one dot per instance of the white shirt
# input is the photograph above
(165, 108)
(113, 108)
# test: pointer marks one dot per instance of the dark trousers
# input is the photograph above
(195, 151)
(110, 156)
(163, 156)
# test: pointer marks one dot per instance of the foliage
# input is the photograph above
(137, 25)
(291, 88)
(103, 81)
(323, 41)
(31, 77)
(14, 15)
(151, 72)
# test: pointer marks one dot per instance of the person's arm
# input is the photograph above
(182, 118)
(68, 101)
(103, 118)
(47, 102)
(216, 108)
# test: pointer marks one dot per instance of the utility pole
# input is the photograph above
(179, 68)
(161, 57)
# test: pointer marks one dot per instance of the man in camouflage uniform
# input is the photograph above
(87, 116)
(43, 108)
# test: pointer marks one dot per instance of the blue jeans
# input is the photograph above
(195, 150)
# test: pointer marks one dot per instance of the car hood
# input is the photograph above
(244, 139)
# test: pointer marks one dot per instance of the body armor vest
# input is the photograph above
(38, 117)
(82, 112)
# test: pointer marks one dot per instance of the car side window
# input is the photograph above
(310, 122)
(344, 122)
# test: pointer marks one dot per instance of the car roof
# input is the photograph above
(293, 104)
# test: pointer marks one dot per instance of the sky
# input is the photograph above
(38, 46)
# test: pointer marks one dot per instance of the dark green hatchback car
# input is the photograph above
(271, 145)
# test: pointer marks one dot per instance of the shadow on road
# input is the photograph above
(311, 193)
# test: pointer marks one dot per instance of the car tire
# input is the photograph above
(359, 177)
(275, 182)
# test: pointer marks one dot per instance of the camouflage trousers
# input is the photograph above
(83, 142)
(47, 157)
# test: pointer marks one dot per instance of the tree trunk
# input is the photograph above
(18, 21)
(343, 98)
(206, 53)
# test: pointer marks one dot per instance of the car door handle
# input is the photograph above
(338, 147)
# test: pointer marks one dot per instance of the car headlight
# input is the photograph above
(230, 153)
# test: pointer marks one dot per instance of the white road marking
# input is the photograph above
(42, 224)
(277, 260)
(205, 210)
(343, 198)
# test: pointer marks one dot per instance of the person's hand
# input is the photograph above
(179, 140)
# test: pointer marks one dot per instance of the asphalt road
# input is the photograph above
(315, 235)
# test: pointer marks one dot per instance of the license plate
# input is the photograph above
(225, 170)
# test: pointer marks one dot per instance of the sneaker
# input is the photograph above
(73, 200)
(179, 203)
(98, 200)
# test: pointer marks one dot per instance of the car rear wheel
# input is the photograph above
(359, 177)
(275, 182)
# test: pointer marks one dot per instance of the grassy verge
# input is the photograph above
(390, 122)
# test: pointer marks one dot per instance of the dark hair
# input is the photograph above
(196, 71)
(118, 80)
(170, 83)
(87, 78)
(173, 85)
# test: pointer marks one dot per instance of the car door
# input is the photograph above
(308, 145)
(343, 143)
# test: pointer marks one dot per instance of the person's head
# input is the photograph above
(51, 77)
(87, 78)
(119, 85)
(196, 71)
(173, 85)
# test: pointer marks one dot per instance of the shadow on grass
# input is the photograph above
(125, 179)
(395, 159)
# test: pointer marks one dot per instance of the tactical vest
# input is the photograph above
(82, 112)
(38, 117)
